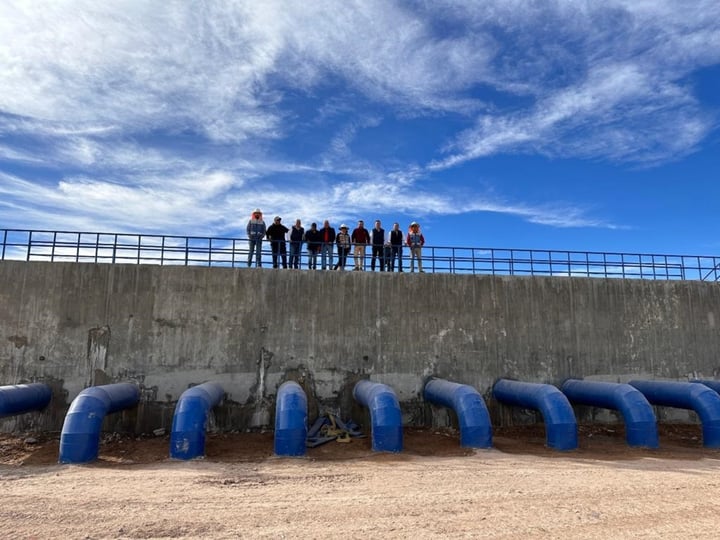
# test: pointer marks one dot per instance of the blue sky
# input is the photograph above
(511, 124)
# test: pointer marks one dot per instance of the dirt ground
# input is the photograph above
(434, 488)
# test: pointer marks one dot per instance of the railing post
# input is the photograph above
(29, 246)
(52, 249)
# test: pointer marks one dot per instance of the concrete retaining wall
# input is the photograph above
(167, 328)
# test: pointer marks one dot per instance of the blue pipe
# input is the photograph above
(640, 421)
(22, 398)
(80, 436)
(685, 395)
(290, 420)
(560, 422)
(714, 385)
(468, 404)
(385, 415)
(187, 438)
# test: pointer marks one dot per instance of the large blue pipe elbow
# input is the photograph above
(560, 422)
(468, 404)
(385, 415)
(640, 421)
(290, 420)
(187, 439)
(80, 437)
(685, 395)
(22, 398)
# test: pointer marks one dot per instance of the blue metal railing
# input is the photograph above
(121, 248)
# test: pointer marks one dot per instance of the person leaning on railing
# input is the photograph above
(415, 240)
(396, 243)
(377, 235)
(313, 237)
(297, 237)
(326, 248)
(277, 233)
(255, 232)
(343, 246)
(360, 238)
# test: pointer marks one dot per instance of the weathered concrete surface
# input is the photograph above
(167, 328)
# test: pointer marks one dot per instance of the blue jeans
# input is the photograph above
(396, 253)
(255, 247)
(326, 256)
(295, 253)
(312, 258)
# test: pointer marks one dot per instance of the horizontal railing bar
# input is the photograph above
(129, 248)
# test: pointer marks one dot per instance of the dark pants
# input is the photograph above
(377, 253)
(396, 253)
(278, 248)
(342, 257)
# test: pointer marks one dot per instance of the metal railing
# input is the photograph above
(122, 248)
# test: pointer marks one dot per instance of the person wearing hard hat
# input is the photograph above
(255, 233)
(415, 240)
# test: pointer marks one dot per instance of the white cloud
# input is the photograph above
(171, 115)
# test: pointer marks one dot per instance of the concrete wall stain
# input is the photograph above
(18, 341)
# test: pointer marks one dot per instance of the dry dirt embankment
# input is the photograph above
(433, 489)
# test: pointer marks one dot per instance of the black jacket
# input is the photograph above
(378, 236)
(277, 232)
(330, 233)
(314, 239)
(397, 238)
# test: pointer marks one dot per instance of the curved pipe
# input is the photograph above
(560, 422)
(385, 416)
(187, 438)
(22, 398)
(640, 421)
(686, 395)
(80, 437)
(468, 404)
(713, 385)
(290, 420)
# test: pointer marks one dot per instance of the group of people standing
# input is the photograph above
(386, 250)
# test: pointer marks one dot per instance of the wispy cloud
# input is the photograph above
(174, 115)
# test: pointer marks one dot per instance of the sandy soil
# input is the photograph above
(520, 489)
